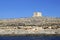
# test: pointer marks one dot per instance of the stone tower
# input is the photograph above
(37, 14)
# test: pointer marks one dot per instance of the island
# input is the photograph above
(35, 25)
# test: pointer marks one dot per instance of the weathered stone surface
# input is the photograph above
(33, 25)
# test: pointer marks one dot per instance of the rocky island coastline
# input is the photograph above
(35, 25)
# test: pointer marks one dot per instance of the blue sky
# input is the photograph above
(26, 8)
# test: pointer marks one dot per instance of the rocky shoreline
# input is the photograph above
(29, 31)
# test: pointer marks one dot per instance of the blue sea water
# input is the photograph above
(29, 37)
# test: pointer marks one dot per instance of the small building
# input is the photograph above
(37, 14)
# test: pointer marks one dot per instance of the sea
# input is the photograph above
(29, 37)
